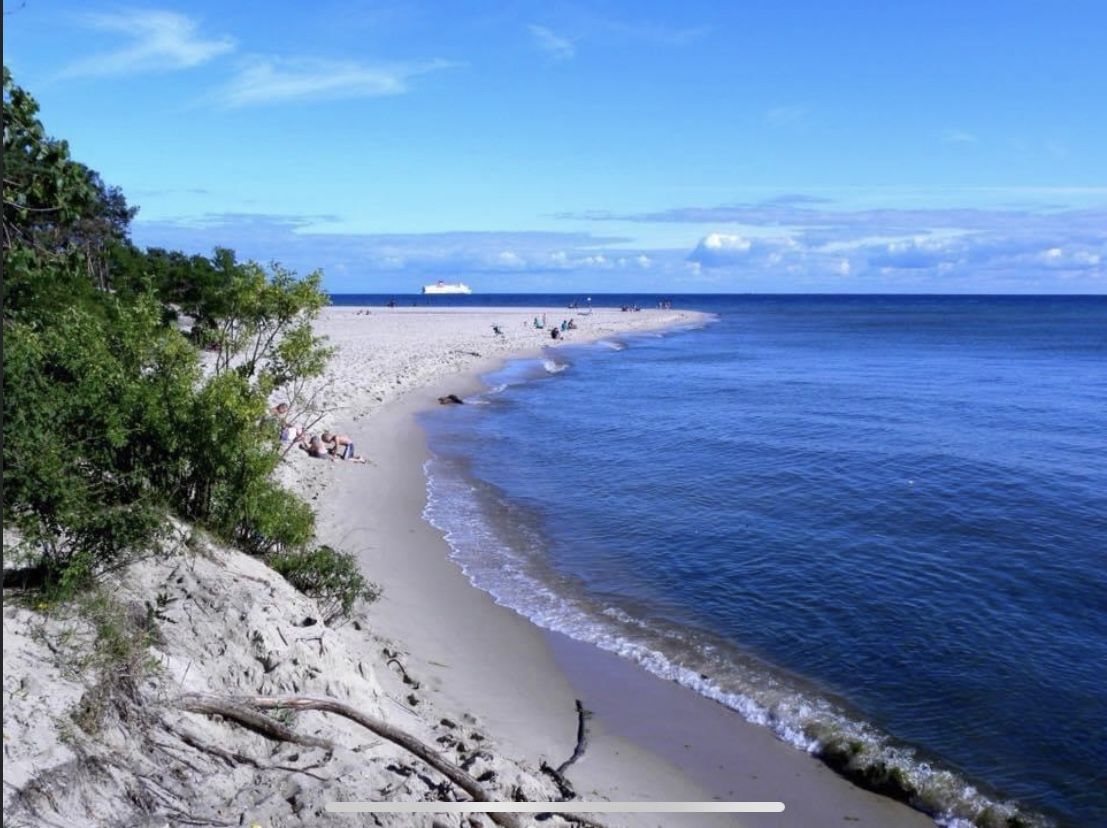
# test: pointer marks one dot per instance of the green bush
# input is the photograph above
(81, 435)
(270, 518)
(330, 577)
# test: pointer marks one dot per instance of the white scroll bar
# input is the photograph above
(555, 807)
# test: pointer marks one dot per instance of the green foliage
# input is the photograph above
(110, 422)
(43, 187)
(53, 204)
(89, 410)
(269, 518)
(330, 577)
(260, 323)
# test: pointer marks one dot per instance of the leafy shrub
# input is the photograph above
(81, 437)
(270, 518)
(330, 577)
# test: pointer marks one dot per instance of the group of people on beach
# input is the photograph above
(326, 445)
(556, 331)
(566, 325)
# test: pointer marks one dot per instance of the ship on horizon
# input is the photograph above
(440, 287)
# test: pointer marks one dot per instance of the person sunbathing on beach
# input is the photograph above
(341, 447)
(315, 447)
(290, 432)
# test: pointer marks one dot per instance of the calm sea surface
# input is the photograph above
(877, 525)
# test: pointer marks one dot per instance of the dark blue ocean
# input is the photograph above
(877, 525)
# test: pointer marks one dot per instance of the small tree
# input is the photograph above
(260, 325)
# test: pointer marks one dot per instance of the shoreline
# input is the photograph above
(649, 738)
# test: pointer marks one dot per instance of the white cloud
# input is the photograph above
(721, 241)
(918, 253)
(1017, 253)
(727, 250)
(1057, 258)
(265, 80)
(720, 247)
(161, 41)
(560, 48)
(509, 258)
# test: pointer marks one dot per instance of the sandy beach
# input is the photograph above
(649, 739)
(435, 657)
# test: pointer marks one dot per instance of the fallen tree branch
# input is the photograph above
(234, 706)
(564, 786)
(239, 758)
(582, 738)
(181, 818)
(236, 709)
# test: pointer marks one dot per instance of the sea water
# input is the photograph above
(876, 525)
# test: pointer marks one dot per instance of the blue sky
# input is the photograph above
(692, 147)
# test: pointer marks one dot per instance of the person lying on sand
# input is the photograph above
(341, 447)
(315, 447)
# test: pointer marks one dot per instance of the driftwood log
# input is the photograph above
(564, 786)
(582, 738)
(244, 710)
(238, 708)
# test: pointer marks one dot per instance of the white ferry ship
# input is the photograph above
(447, 287)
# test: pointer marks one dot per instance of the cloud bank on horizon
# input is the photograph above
(774, 247)
(555, 148)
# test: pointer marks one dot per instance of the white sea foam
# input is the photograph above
(553, 366)
(809, 722)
